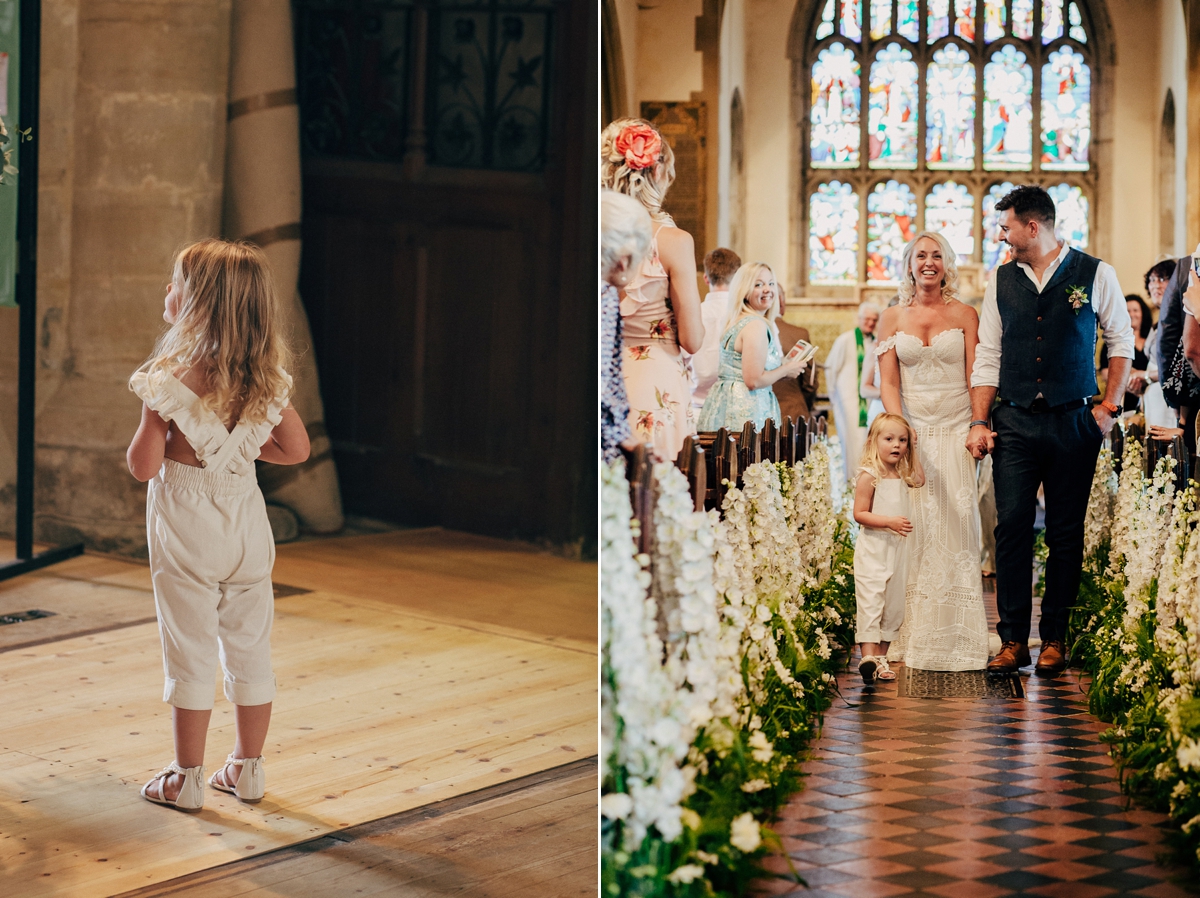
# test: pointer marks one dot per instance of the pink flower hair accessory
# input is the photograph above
(640, 145)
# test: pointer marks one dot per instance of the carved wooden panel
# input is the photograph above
(685, 126)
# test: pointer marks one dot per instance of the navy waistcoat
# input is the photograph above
(1046, 346)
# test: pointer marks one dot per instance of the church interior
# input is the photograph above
(819, 138)
(412, 171)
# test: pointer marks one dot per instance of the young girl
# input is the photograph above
(215, 398)
(888, 468)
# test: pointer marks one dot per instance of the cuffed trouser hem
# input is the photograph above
(188, 696)
(250, 693)
(876, 635)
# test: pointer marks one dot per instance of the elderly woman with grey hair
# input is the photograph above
(624, 241)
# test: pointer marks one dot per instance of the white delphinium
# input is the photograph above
(702, 645)
(1098, 523)
(1147, 532)
(811, 512)
(645, 718)
(1129, 489)
(1187, 605)
(1170, 568)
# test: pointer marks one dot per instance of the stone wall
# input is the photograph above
(132, 153)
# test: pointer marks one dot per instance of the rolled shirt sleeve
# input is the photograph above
(986, 372)
(1112, 314)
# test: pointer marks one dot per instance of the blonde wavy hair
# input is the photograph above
(640, 184)
(871, 461)
(908, 286)
(739, 289)
(228, 327)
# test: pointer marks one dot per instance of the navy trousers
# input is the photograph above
(1056, 450)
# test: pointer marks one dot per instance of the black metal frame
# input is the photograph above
(27, 197)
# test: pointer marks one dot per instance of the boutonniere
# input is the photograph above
(1077, 297)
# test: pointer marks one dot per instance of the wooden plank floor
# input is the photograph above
(395, 692)
(535, 836)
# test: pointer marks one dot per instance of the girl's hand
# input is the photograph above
(900, 525)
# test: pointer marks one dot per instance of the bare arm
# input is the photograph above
(754, 344)
(149, 445)
(677, 252)
(969, 320)
(867, 388)
(889, 364)
(288, 443)
(864, 498)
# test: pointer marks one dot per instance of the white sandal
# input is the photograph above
(252, 781)
(869, 667)
(884, 672)
(191, 793)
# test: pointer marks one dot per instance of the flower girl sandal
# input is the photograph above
(868, 668)
(191, 793)
(252, 781)
(884, 672)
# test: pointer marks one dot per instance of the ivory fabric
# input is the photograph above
(881, 568)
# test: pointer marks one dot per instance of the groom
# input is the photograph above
(1036, 354)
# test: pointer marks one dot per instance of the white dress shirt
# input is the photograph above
(714, 312)
(1107, 301)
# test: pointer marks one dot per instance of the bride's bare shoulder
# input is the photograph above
(960, 311)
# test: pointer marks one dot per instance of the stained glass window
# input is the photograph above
(908, 23)
(950, 105)
(881, 19)
(995, 15)
(950, 208)
(1066, 111)
(920, 60)
(1052, 20)
(1023, 18)
(994, 252)
(1077, 31)
(892, 122)
(833, 234)
(964, 19)
(835, 104)
(851, 19)
(826, 27)
(939, 20)
(1071, 214)
(891, 223)
(1007, 110)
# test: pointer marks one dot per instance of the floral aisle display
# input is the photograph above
(1136, 629)
(718, 658)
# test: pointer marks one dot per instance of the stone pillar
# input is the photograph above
(262, 204)
(1192, 8)
(132, 150)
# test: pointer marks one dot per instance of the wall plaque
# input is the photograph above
(685, 127)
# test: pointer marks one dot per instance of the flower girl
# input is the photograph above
(887, 469)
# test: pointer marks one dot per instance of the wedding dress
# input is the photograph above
(945, 627)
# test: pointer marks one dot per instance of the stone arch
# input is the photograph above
(1166, 176)
(737, 173)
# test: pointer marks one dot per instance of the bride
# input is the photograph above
(926, 349)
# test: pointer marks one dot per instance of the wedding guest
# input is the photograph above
(660, 306)
(719, 266)
(795, 395)
(843, 376)
(624, 241)
(1140, 318)
(1156, 281)
(751, 358)
(1171, 328)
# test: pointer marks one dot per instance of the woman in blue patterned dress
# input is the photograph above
(751, 358)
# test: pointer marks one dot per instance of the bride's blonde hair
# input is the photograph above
(872, 463)
(227, 326)
(908, 286)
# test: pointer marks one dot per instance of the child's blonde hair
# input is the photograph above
(871, 461)
(228, 326)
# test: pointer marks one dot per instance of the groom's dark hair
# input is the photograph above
(1028, 201)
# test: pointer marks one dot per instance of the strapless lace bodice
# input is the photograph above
(933, 379)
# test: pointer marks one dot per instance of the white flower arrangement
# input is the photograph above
(1097, 528)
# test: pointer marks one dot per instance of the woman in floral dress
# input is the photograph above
(660, 306)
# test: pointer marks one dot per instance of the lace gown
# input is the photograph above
(945, 627)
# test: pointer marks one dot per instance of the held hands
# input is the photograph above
(899, 525)
(981, 441)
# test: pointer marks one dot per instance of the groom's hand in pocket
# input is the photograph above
(981, 441)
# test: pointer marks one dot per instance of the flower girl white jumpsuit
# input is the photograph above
(881, 568)
(211, 552)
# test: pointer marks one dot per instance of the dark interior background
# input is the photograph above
(449, 258)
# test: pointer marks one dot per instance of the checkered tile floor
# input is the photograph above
(967, 798)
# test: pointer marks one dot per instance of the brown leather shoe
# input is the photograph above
(1053, 657)
(1011, 657)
